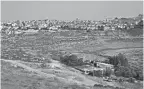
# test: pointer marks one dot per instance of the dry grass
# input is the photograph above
(48, 43)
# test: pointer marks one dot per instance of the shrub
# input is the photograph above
(132, 80)
(122, 68)
(128, 72)
(139, 75)
(125, 71)
(71, 60)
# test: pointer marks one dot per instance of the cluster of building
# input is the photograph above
(100, 69)
(108, 24)
(94, 68)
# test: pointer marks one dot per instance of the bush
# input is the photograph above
(71, 60)
(125, 72)
(122, 67)
(128, 72)
(132, 80)
(139, 75)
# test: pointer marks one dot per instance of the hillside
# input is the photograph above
(23, 67)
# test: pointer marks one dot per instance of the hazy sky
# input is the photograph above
(70, 10)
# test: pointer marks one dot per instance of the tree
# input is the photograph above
(71, 60)
(116, 18)
(108, 71)
(125, 72)
(119, 59)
